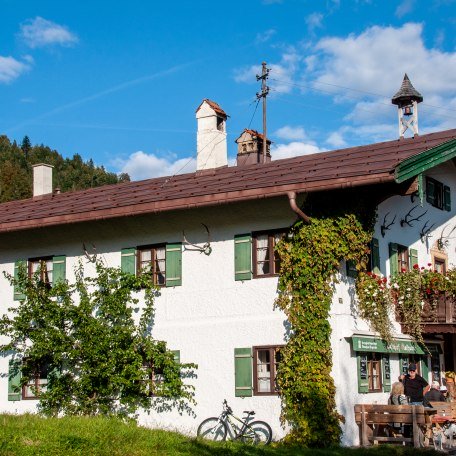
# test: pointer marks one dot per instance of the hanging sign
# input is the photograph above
(372, 344)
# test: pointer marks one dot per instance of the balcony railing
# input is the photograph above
(443, 312)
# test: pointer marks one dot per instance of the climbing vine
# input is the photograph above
(310, 260)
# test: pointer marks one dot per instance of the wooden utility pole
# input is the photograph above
(264, 92)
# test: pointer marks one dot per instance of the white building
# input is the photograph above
(216, 309)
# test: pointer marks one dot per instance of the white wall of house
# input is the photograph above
(211, 314)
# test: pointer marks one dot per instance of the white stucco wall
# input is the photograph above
(211, 314)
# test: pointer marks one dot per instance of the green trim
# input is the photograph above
(363, 380)
(243, 372)
(386, 373)
(14, 380)
(372, 344)
(417, 164)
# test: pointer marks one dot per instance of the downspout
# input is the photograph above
(295, 208)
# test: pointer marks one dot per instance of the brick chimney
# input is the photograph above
(250, 148)
(211, 136)
(42, 179)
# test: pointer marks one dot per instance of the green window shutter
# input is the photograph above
(430, 192)
(413, 257)
(242, 257)
(393, 259)
(174, 264)
(424, 368)
(363, 381)
(351, 269)
(375, 256)
(386, 368)
(176, 354)
(18, 295)
(446, 198)
(59, 269)
(128, 261)
(403, 364)
(243, 372)
(14, 380)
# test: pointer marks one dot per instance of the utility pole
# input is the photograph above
(264, 92)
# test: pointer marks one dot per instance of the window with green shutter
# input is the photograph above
(243, 372)
(18, 293)
(413, 257)
(375, 256)
(242, 257)
(59, 268)
(393, 258)
(174, 264)
(386, 373)
(363, 380)
(14, 380)
(437, 194)
(128, 261)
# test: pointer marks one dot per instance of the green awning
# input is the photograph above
(372, 344)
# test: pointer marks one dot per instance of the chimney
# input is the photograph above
(250, 148)
(211, 137)
(42, 179)
(407, 99)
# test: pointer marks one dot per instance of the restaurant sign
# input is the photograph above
(371, 344)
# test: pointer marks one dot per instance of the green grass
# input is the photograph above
(32, 435)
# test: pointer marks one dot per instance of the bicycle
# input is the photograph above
(216, 429)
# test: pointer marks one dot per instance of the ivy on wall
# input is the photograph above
(310, 259)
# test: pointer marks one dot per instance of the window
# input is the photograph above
(153, 376)
(374, 372)
(152, 259)
(439, 265)
(220, 124)
(437, 194)
(266, 260)
(37, 383)
(265, 363)
(402, 258)
(43, 267)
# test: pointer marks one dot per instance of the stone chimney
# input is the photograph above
(250, 148)
(42, 179)
(211, 137)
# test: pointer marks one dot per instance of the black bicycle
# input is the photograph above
(254, 433)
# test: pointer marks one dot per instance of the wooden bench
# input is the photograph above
(444, 410)
(370, 417)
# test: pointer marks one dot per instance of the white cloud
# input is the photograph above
(293, 149)
(281, 77)
(140, 165)
(291, 133)
(314, 21)
(265, 36)
(40, 32)
(336, 140)
(11, 69)
(405, 7)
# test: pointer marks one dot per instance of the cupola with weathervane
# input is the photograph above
(407, 99)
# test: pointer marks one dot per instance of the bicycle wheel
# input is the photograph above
(212, 429)
(257, 433)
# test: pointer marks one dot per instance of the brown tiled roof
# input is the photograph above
(254, 133)
(355, 166)
(215, 106)
(406, 93)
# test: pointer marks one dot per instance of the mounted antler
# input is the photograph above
(425, 231)
(206, 248)
(407, 220)
(92, 258)
(443, 241)
(385, 226)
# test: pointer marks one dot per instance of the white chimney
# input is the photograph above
(211, 136)
(42, 179)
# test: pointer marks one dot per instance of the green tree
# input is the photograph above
(94, 338)
(26, 145)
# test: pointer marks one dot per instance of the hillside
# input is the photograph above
(69, 173)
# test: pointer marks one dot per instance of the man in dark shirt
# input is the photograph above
(415, 386)
(433, 395)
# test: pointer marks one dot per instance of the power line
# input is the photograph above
(353, 90)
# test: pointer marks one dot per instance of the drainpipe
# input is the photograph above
(295, 208)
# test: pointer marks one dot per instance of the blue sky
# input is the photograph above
(119, 81)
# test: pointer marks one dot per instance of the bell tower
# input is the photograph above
(407, 99)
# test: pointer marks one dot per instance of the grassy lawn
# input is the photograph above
(32, 435)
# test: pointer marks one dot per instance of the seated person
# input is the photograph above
(444, 391)
(397, 396)
(433, 395)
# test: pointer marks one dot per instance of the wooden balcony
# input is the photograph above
(441, 318)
